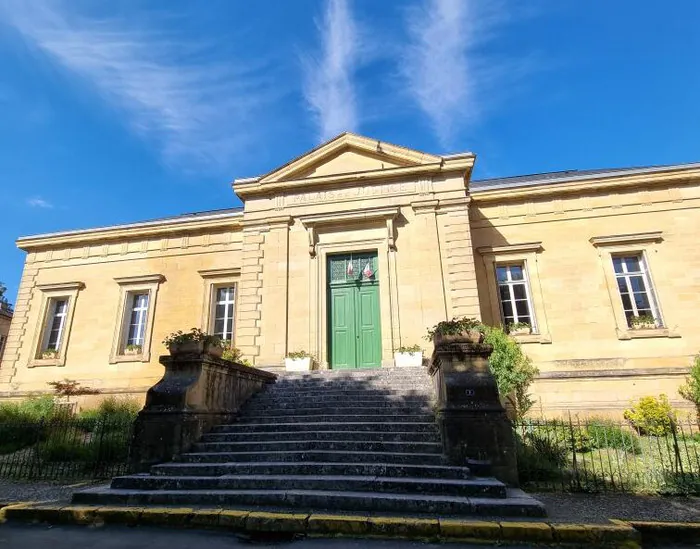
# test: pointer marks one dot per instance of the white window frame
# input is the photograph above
(50, 294)
(128, 288)
(214, 279)
(648, 285)
(526, 254)
(51, 314)
(647, 245)
(215, 302)
(510, 283)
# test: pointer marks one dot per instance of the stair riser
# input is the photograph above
(371, 436)
(359, 469)
(241, 428)
(311, 483)
(321, 446)
(311, 456)
(325, 402)
(277, 418)
(336, 411)
(308, 502)
(389, 394)
(406, 387)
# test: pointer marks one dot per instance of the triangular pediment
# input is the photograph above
(349, 153)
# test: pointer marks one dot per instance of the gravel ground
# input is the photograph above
(579, 508)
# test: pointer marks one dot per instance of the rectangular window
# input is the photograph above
(635, 288)
(514, 295)
(223, 311)
(56, 324)
(138, 319)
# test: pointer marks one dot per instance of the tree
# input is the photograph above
(512, 368)
(690, 390)
(4, 304)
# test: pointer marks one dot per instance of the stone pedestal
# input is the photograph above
(197, 392)
(473, 423)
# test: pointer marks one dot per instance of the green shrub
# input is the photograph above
(512, 368)
(113, 413)
(109, 446)
(572, 438)
(690, 390)
(58, 447)
(540, 458)
(605, 433)
(651, 416)
(20, 422)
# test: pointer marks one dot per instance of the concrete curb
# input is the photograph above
(619, 534)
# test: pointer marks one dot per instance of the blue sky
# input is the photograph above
(127, 110)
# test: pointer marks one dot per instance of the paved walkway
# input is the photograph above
(115, 537)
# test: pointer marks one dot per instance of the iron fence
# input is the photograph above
(65, 447)
(597, 455)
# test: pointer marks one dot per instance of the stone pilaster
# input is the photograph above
(250, 292)
(16, 340)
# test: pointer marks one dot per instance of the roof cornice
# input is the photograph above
(680, 175)
(131, 230)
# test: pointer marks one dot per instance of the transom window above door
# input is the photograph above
(359, 267)
(514, 295)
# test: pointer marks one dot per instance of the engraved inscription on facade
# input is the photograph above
(349, 193)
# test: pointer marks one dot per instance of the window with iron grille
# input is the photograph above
(514, 295)
(634, 285)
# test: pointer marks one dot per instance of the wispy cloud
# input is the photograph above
(38, 202)
(448, 74)
(329, 87)
(199, 109)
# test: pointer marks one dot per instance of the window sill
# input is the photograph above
(524, 339)
(38, 362)
(646, 333)
(130, 358)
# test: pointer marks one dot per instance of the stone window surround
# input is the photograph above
(128, 286)
(643, 244)
(212, 280)
(49, 293)
(526, 254)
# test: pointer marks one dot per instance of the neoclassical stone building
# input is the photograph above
(355, 248)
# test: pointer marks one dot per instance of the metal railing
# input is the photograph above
(65, 447)
(597, 455)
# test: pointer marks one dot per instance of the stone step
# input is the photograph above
(393, 384)
(312, 468)
(515, 505)
(339, 456)
(319, 446)
(488, 488)
(334, 435)
(366, 426)
(327, 410)
(330, 418)
(368, 394)
(357, 374)
(337, 400)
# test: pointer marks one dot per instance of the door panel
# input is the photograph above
(342, 351)
(367, 314)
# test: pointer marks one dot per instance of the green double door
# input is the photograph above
(353, 311)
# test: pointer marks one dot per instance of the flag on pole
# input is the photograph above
(367, 271)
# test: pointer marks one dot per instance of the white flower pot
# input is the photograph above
(521, 331)
(408, 360)
(297, 364)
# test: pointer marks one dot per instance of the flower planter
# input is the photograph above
(132, 352)
(472, 336)
(520, 331)
(408, 360)
(196, 347)
(644, 326)
(49, 355)
(297, 364)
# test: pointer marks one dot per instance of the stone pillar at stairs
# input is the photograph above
(473, 423)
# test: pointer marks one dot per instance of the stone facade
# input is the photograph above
(437, 236)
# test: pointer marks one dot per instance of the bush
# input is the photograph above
(690, 390)
(605, 433)
(513, 369)
(59, 447)
(20, 422)
(571, 438)
(109, 447)
(651, 416)
(540, 458)
(112, 414)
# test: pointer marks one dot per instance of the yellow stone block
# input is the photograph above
(119, 515)
(205, 517)
(404, 527)
(232, 519)
(572, 533)
(276, 522)
(171, 516)
(342, 525)
(526, 531)
(469, 529)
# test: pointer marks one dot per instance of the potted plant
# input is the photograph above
(470, 329)
(642, 322)
(194, 341)
(298, 361)
(519, 328)
(408, 356)
(133, 349)
(48, 354)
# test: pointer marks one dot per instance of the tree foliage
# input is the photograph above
(512, 368)
(690, 390)
(4, 303)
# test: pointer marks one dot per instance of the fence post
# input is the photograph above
(574, 462)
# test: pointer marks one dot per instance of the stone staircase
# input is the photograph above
(363, 441)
